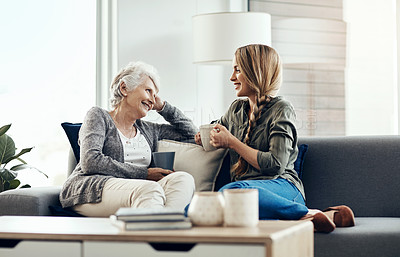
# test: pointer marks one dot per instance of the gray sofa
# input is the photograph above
(362, 172)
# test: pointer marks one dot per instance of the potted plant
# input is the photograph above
(8, 177)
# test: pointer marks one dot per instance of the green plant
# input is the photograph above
(8, 177)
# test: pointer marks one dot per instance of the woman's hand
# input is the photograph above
(156, 174)
(197, 138)
(159, 104)
(220, 137)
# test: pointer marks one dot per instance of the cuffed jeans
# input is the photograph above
(278, 198)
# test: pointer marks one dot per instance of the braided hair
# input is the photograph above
(261, 67)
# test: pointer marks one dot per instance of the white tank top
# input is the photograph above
(136, 150)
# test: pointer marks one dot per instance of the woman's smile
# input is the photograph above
(237, 85)
(148, 105)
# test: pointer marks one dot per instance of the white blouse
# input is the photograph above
(136, 150)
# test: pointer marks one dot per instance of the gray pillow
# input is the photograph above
(203, 166)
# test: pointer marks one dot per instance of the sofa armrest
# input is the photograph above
(33, 201)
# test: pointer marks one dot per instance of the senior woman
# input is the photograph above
(116, 149)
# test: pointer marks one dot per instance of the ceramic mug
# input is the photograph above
(241, 207)
(207, 209)
(164, 160)
(205, 137)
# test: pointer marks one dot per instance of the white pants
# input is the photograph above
(173, 191)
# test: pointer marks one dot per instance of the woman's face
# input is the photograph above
(141, 99)
(241, 87)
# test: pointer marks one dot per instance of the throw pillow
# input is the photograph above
(203, 166)
(72, 131)
(298, 164)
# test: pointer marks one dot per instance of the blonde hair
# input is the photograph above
(261, 68)
(132, 75)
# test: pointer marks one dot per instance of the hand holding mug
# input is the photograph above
(204, 137)
(197, 139)
(156, 174)
(220, 136)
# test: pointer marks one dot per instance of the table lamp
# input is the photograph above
(216, 36)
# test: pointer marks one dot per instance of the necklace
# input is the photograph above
(129, 138)
(127, 133)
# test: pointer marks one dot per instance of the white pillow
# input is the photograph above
(203, 166)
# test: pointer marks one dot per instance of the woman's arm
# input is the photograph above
(179, 128)
(275, 161)
(282, 142)
(222, 138)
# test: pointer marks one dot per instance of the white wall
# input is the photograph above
(159, 32)
(215, 92)
(310, 37)
(371, 90)
(398, 62)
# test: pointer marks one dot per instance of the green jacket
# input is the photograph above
(275, 136)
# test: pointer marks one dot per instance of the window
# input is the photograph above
(48, 65)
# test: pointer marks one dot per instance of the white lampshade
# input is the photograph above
(216, 36)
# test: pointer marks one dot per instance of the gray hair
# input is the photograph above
(132, 75)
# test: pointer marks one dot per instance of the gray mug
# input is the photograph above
(164, 160)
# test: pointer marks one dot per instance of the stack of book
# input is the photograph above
(150, 219)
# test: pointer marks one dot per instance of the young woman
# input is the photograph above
(116, 149)
(259, 131)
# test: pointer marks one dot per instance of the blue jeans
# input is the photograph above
(278, 198)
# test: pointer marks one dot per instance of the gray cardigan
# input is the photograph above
(102, 155)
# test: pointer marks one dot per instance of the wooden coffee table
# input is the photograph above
(89, 237)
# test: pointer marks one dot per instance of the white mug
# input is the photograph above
(241, 207)
(205, 137)
(207, 209)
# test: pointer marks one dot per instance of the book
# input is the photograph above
(150, 225)
(145, 214)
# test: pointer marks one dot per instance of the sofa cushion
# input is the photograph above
(224, 174)
(369, 237)
(358, 171)
(29, 201)
(298, 164)
(72, 131)
(203, 166)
